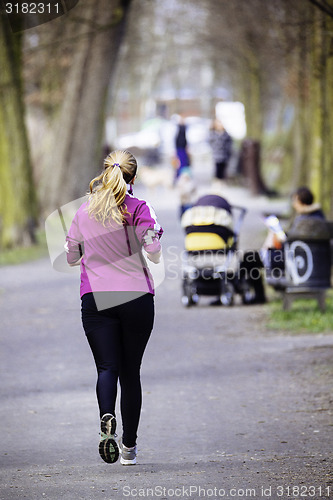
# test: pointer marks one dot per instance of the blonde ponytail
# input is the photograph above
(108, 190)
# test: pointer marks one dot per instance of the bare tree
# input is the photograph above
(274, 56)
(307, 32)
(73, 143)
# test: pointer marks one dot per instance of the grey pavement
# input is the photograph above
(230, 409)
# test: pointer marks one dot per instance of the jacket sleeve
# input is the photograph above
(74, 243)
(147, 229)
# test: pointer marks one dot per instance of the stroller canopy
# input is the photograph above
(208, 224)
(213, 200)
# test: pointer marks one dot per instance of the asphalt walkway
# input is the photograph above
(230, 409)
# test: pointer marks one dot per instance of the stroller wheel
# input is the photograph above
(248, 292)
(227, 294)
(190, 300)
(186, 301)
(248, 295)
(189, 297)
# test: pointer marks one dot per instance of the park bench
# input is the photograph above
(302, 268)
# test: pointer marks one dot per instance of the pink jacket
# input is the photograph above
(112, 258)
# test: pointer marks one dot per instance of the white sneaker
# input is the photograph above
(127, 455)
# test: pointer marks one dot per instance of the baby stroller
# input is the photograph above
(212, 263)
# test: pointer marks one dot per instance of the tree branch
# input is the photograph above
(324, 6)
(93, 28)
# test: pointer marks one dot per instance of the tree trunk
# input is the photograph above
(329, 85)
(253, 97)
(250, 162)
(316, 103)
(76, 147)
(313, 124)
(302, 124)
(326, 185)
(17, 200)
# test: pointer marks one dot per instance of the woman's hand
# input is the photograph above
(154, 257)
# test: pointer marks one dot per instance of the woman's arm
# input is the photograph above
(77, 263)
(74, 253)
(149, 232)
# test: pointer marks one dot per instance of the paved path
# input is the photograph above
(230, 409)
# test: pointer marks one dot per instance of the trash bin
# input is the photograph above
(308, 263)
(274, 261)
(303, 267)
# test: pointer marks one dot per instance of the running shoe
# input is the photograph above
(127, 455)
(108, 448)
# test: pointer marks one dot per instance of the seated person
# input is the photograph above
(308, 225)
(309, 221)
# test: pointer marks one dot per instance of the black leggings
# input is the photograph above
(118, 337)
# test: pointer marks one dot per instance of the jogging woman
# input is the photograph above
(106, 237)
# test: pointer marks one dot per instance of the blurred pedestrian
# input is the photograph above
(106, 238)
(221, 144)
(309, 215)
(186, 188)
(182, 155)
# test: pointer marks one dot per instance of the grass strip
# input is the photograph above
(22, 254)
(303, 317)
